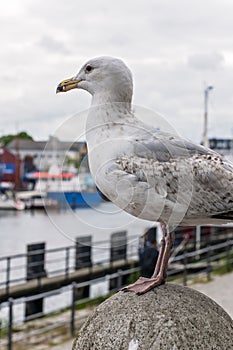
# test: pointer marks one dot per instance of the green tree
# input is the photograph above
(6, 139)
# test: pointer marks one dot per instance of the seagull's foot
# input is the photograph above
(143, 285)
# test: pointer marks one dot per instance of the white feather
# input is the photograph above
(133, 345)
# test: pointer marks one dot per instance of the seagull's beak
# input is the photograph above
(68, 84)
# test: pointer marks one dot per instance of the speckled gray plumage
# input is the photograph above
(205, 178)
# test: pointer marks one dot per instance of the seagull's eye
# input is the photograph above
(89, 68)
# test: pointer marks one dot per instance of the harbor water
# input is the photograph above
(60, 228)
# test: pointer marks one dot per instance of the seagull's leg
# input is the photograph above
(143, 285)
(161, 251)
(169, 240)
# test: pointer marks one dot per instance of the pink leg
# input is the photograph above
(143, 285)
(161, 252)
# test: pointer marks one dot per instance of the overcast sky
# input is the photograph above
(173, 48)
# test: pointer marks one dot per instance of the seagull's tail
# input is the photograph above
(227, 216)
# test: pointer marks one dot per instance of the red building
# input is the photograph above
(10, 165)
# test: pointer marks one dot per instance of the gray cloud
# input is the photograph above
(206, 61)
(172, 48)
(53, 45)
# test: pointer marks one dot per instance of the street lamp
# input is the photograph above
(206, 97)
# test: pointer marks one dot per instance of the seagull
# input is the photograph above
(151, 174)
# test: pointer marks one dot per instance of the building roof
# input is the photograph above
(52, 144)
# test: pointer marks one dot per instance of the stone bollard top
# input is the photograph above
(170, 317)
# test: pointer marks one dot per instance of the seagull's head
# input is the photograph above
(102, 76)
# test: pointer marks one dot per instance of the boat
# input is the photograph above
(36, 200)
(68, 189)
(8, 200)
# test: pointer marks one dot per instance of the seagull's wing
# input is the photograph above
(164, 172)
(164, 146)
(171, 172)
(124, 181)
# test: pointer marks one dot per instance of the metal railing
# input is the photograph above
(63, 261)
(9, 326)
(204, 260)
(58, 262)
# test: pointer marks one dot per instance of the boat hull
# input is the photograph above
(74, 199)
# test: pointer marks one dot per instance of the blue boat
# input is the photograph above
(69, 190)
(75, 199)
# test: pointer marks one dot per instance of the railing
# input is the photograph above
(69, 322)
(16, 269)
(204, 260)
(58, 262)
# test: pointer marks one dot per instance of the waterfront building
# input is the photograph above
(224, 146)
(45, 154)
(10, 168)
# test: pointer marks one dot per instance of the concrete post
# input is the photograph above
(171, 317)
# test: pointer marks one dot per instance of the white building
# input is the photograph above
(45, 154)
